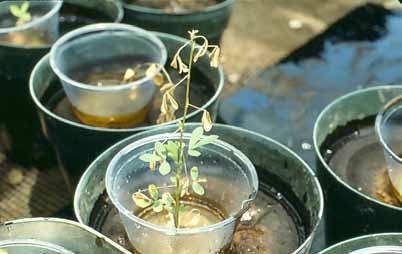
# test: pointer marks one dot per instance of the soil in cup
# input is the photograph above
(201, 92)
(354, 153)
(275, 224)
(175, 6)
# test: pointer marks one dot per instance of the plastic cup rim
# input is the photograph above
(181, 231)
(379, 122)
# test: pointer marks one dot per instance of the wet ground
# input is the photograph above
(261, 32)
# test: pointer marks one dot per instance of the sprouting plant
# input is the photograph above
(169, 157)
(21, 13)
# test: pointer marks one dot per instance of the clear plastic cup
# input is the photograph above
(96, 50)
(31, 246)
(379, 250)
(388, 127)
(42, 30)
(232, 184)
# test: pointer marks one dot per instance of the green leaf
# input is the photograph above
(173, 150)
(194, 173)
(157, 206)
(24, 7)
(153, 191)
(197, 188)
(195, 137)
(167, 199)
(164, 168)
(194, 153)
(15, 10)
(206, 140)
(141, 200)
(160, 149)
(149, 157)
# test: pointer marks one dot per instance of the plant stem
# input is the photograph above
(181, 148)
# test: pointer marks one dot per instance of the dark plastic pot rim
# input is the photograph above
(378, 128)
(337, 245)
(317, 148)
(48, 112)
(155, 11)
(81, 185)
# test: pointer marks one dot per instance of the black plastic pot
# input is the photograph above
(274, 162)
(210, 21)
(77, 144)
(350, 212)
(369, 244)
(17, 109)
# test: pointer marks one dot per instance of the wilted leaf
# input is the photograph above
(206, 121)
(172, 101)
(184, 187)
(201, 51)
(158, 79)
(157, 206)
(128, 75)
(174, 64)
(141, 200)
(194, 153)
(194, 173)
(151, 70)
(153, 191)
(164, 168)
(214, 57)
(149, 157)
(164, 105)
(195, 136)
(197, 188)
(166, 87)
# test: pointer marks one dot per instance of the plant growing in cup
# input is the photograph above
(182, 192)
(21, 13)
(29, 23)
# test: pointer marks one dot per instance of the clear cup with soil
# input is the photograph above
(92, 63)
(31, 246)
(388, 126)
(29, 23)
(209, 221)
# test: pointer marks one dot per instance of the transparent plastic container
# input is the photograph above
(388, 127)
(42, 30)
(232, 184)
(379, 250)
(31, 246)
(105, 48)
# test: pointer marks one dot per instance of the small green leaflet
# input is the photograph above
(153, 191)
(24, 7)
(194, 173)
(194, 153)
(164, 168)
(195, 137)
(197, 188)
(149, 157)
(157, 206)
(206, 140)
(173, 150)
(160, 149)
